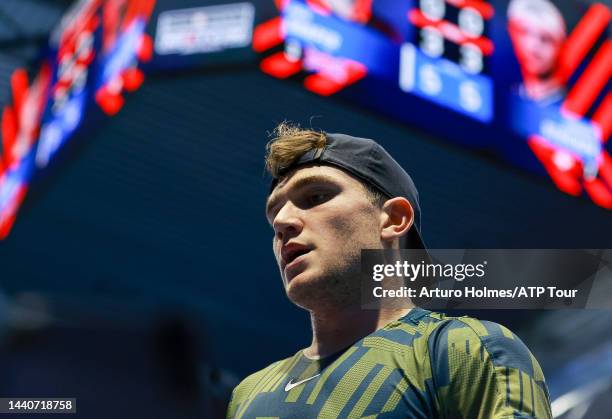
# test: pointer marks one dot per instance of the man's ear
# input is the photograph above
(396, 218)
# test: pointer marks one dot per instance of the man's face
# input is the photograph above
(322, 218)
(537, 49)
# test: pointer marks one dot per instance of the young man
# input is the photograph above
(332, 196)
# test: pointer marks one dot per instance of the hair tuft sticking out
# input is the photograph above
(289, 142)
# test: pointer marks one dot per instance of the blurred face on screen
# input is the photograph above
(537, 31)
(322, 218)
(536, 48)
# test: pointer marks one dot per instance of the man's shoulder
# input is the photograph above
(251, 384)
(454, 328)
(482, 363)
(461, 344)
(256, 377)
(494, 340)
(248, 384)
(434, 334)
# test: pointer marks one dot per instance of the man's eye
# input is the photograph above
(318, 198)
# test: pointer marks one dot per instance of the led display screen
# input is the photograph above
(527, 80)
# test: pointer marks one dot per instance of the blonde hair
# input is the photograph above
(289, 142)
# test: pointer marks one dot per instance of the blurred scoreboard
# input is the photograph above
(525, 79)
(447, 63)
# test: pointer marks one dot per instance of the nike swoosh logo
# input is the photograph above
(291, 384)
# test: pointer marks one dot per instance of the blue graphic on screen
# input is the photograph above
(59, 126)
(445, 83)
(576, 135)
(123, 54)
(340, 38)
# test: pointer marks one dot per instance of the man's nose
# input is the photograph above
(288, 222)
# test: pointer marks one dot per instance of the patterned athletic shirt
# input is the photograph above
(424, 365)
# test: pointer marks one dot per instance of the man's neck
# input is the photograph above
(332, 332)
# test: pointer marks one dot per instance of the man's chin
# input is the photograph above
(303, 289)
(297, 281)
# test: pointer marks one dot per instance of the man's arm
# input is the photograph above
(482, 370)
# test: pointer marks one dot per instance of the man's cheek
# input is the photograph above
(343, 223)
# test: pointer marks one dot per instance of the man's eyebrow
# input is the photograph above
(300, 183)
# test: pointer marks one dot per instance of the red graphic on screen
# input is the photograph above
(283, 64)
(21, 120)
(20, 129)
(117, 16)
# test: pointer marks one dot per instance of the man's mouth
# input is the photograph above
(291, 251)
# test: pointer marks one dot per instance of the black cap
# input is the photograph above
(369, 162)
